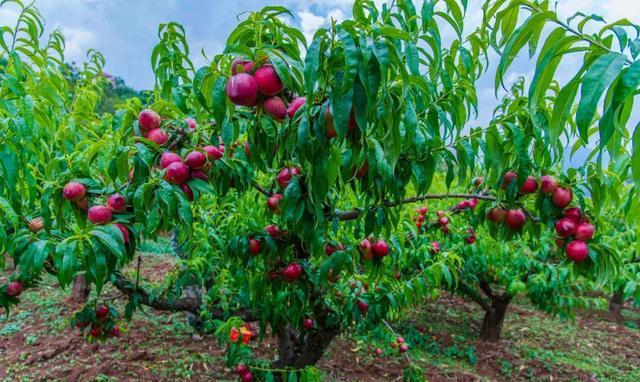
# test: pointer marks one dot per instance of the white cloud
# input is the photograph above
(78, 42)
(8, 16)
(619, 9)
(336, 14)
(310, 22)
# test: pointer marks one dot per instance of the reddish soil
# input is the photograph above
(159, 346)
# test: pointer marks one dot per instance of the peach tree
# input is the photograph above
(283, 167)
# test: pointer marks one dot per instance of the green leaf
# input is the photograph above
(219, 98)
(562, 107)
(111, 239)
(520, 37)
(635, 161)
(594, 83)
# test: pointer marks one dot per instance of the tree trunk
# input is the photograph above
(298, 350)
(615, 307)
(80, 290)
(494, 318)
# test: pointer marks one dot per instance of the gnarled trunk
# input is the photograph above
(298, 350)
(80, 290)
(494, 318)
(615, 307)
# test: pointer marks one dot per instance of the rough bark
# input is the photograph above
(298, 350)
(615, 307)
(183, 304)
(80, 290)
(494, 318)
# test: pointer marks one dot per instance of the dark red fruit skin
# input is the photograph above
(95, 332)
(380, 249)
(74, 191)
(562, 197)
(403, 348)
(330, 249)
(363, 306)
(308, 323)
(191, 123)
(242, 90)
(158, 137)
(548, 184)
(247, 66)
(529, 186)
(247, 377)
(515, 219)
(363, 171)
(284, 177)
(125, 232)
(565, 227)
(117, 203)
(365, 249)
(577, 251)
(254, 247)
(195, 160)
(99, 215)
(497, 215)
(177, 173)
(83, 203)
(574, 214)
(102, 312)
(115, 332)
(275, 107)
(14, 289)
(168, 157)
(273, 230)
(331, 129)
(268, 81)
(585, 231)
(274, 203)
(508, 178)
(149, 120)
(213, 152)
(199, 175)
(477, 182)
(36, 225)
(295, 105)
(188, 192)
(241, 369)
(292, 272)
(247, 152)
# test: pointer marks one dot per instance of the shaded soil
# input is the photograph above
(36, 344)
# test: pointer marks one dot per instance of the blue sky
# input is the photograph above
(126, 31)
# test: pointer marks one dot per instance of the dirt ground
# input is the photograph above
(36, 344)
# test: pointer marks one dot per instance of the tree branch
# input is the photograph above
(262, 190)
(475, 296)
(183, 304)
(486, 288)
(355, 213)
